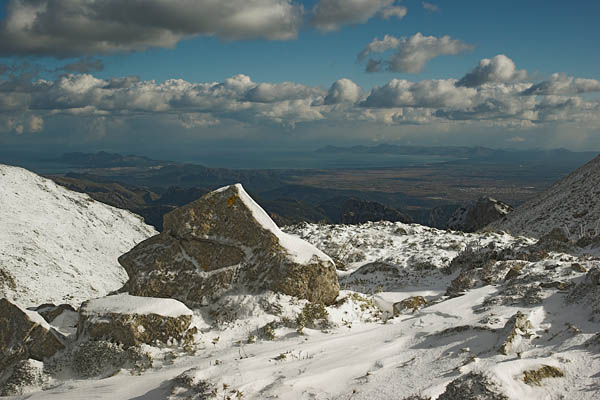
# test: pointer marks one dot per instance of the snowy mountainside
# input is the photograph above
(571, 204)
(524, 325)
(59, 246)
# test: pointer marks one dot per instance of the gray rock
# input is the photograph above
(472, 386)
(157, 320)
(223, 243)
(477, 215)
(25, 334)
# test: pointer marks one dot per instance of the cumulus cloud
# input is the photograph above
(102, 105)
(423, 94)
(271, 93)
(412, 53)
(393, 12)
(76, 27)
(430, 7)
(562, 84)
(330, 15)
(498, 69)
(343, 91)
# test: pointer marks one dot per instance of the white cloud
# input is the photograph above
(498, 69)
(412, 53)
(423, 94)
(393, 12)
(430, 7)
(75, 27)
(343, 91)
(562, 84)
(330, 15)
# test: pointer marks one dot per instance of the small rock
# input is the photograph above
(412, 303)
(534, 377)
(131, 320)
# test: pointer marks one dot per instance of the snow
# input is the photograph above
(127, 304)
(60, 246)
(572, 204)
(365, 354)
(300, 251)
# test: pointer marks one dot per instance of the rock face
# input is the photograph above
(24, 334)
(572, 204)
(131, 320)
(222, 243)
(356, 211)
(477, 215)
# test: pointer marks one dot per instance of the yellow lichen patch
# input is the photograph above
(231, 201)
(535, 376)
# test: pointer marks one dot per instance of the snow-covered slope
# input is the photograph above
(250, 348)
(572, 204)
(59, 246)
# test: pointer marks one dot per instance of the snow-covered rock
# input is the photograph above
(131, 320)
(58, 246)
(25, 334)
(478, 214)
(572, 204)
(225, 243)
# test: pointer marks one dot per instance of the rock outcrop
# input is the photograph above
(25, 334)
(225, 243)
(131, 320)
(477, 215)
(516, 329)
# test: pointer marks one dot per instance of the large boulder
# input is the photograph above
(131, 320)
(475, 216)
(223, 243)
(25, 334)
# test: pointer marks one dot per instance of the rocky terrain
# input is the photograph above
(571, 205)
(478, 214)
(224, 304)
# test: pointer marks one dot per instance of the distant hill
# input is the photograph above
(572, 204)
(104, 159)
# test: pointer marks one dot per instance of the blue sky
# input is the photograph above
(63, 81)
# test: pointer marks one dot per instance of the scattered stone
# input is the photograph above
(534, 377)
(26, 376)
(578, 267)
(25, 334)
(412, 303)
(131, 320)
(187, 385)
(513, 272)
(50, 311)
(515, 329)
(224, 242)
(472, 386)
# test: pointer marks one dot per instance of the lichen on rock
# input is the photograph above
(130, 327)
(25, 334)
(223, 243)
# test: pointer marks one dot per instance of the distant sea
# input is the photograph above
(308, 160)
(249, 160)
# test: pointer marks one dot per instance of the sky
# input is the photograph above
(180, 77)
